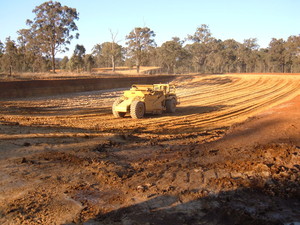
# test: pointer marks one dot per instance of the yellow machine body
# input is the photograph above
(154, 98)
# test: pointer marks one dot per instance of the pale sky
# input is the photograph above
(237, 19)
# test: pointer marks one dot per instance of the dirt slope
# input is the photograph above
(229, 155)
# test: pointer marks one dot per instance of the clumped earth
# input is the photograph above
(229, 155)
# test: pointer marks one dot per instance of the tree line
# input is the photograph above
(54, 27)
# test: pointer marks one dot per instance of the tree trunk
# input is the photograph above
(113, 63)
(137, 65)
(53, 59)
(53, 64)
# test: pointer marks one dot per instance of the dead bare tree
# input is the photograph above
(113, 49)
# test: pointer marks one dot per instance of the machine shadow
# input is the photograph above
(188, 110)
(53, 111)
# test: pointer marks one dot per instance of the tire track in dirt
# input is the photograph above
(212, 92)
(207, 102)
(241, 107)
(243, 92)
(240, 100)
(58, 172)
(191, 100)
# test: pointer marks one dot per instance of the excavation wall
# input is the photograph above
(17, 89)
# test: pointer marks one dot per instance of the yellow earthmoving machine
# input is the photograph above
(142, 99)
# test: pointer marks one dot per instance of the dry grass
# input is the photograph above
(125, 70)
(121, 71)
(62, 74)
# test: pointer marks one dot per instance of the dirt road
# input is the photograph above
(229, 155)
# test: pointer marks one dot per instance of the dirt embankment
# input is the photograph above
(17, 89)
(229, 155)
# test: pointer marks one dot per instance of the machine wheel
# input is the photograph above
(171, 105)
(137, 109)
(116, 113)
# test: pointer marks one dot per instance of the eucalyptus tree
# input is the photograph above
(108, 54)
(171, 54)
(10, 58)
(202, 35)
(200, 48)
(277, 54)
(262, 64)
(52, 28)
(230, 55)
(77, 59)
(63, 63)
(97, 54)
(115, 50)
(292, 47)
(140, 39)
(31, 57)
(89, 62)
(28, 51)
(111, 53)
(250, 54)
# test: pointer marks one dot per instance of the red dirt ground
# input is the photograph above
(66, 160)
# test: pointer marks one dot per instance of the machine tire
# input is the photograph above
(137, 109)
(171, 105)
(116, 113)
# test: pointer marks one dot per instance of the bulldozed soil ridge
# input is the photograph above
(17, 89)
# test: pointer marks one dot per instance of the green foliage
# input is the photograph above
(63, 63)
(51, 30)
(140, 39)
(30, 55)
(202, 35)
(277, 54)
(209, 55)
(293, 53)
(171, 55)
(76, 62)
(108, 54)
(10, 58)
(89, 62)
